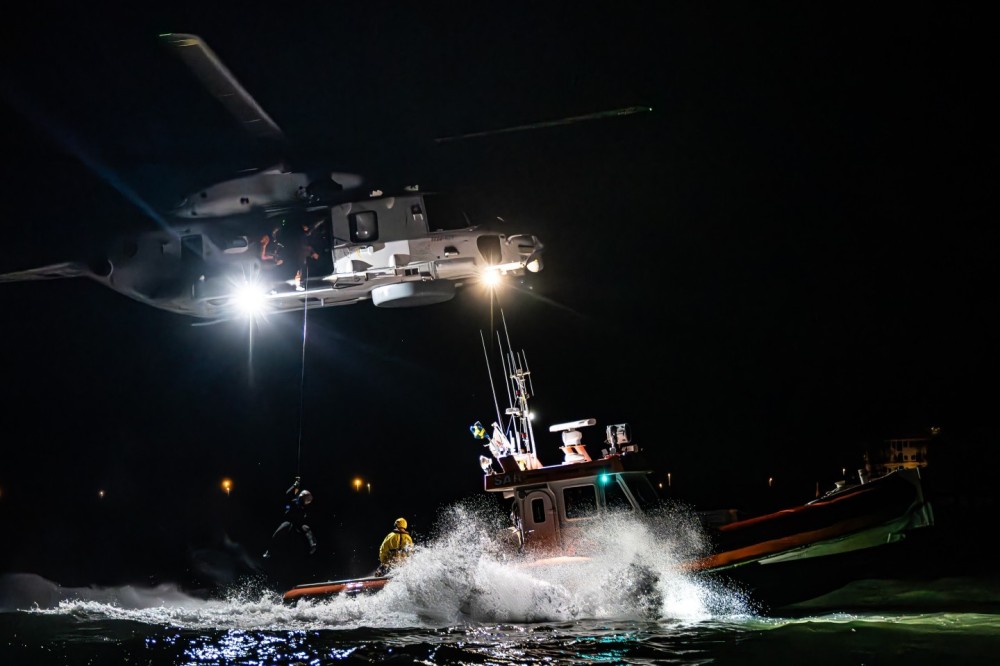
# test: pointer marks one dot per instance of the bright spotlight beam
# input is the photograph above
(249, 299)
(491, 278)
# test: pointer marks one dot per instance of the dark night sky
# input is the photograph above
(791, 256)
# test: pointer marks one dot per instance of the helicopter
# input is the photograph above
(277, 240)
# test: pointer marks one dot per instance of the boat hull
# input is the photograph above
(333, 588)
(773, 585)
(863, 516)
(866, 531)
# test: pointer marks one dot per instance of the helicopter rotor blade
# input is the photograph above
(613, 113)
(221, 83)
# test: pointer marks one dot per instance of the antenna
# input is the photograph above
(524, 439)
(518, 440)
(489, 371)
(503, 366)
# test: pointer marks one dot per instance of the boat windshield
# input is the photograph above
(643, 491)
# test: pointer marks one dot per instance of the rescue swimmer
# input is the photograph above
(396, 547)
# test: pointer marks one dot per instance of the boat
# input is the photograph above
(332, 588)
(777, 558)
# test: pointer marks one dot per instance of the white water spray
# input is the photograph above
(625, 569)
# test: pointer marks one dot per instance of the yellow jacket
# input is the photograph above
(395, 546)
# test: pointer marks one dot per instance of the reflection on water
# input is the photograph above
(458, 600)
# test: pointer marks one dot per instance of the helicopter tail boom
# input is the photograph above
(66, 269)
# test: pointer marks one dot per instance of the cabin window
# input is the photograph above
(363, 226)
(443, 213)
(538, 510)
(191, 246)
(236, 245)
(192, 256)
(580, 501)
(417, 212)
(615, 498)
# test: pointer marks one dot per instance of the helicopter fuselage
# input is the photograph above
(383, 249)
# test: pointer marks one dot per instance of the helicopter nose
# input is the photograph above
(529, 248)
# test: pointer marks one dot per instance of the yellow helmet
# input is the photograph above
(401, 523)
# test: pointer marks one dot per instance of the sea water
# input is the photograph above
(459, 599)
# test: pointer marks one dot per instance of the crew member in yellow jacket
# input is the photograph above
(396, 545)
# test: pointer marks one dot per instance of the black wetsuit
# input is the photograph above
(295, 519)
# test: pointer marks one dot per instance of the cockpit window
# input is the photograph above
(614, 497)
(642, 489)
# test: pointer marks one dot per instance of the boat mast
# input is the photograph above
(519, 375)
(489, 371)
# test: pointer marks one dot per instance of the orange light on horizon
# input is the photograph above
(357, 484)
(227, 485)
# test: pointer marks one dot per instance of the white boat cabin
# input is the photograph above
(551, 504)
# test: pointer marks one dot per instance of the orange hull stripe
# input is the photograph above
(778, 545)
